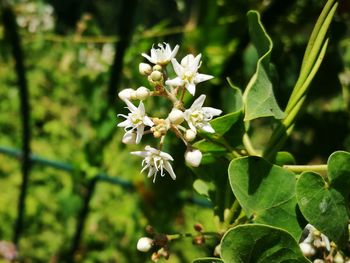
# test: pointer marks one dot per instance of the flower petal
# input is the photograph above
(195, 63)
(125, 123)
(174, 82)
(198, 103)
(191, 88)
(177, 67)
(131, 107)
(139, 133)
(207, 128)
(169, 169)
(212, 111)
(174, 52)
(147, 121)
(201, 77)
(148, 58)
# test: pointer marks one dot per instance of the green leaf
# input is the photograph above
(325, 205)
(339, 172)
(208, 260)
(206, 146)
(222, 124)
(266, 192)
(202, 187)
(260, 244)
(259, 99)
(237, 97)
(284, 158)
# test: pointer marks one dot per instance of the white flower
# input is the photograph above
(198, 117)
(136, 119)
(161, 55)
(144, 244)
(193, 157)
(187, 73)
(155, 160)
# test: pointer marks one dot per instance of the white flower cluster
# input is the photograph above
(35, 16)
(314, 240)
(184, 122)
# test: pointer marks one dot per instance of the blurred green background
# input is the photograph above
(79, 54)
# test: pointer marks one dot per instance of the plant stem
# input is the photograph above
(231, 214)
(305, 168)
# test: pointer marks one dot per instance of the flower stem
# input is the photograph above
(249, 146)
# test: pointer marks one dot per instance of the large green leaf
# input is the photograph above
(325, 204)
(259, 99)
(260, 244)
(266, 192)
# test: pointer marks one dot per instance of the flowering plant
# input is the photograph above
(273, 209)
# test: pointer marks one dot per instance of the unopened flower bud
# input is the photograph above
(129, 138)
(156, 75)
(145, 69)
(217, 250)
(144, 244)
(126, 94)
(307, 249)
(176, 116)
(142, 93)
(190, 135)
(338, 258)
(193, 157)
(157, 67)
(317, 260)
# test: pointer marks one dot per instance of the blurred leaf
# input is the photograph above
(208, 260)
(260, 244)
(253, 181)
(259, 99)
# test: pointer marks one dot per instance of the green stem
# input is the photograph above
(306, 168)
(191, 235)
(231, 214)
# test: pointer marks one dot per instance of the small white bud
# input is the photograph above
(193, 158)
(338, 258)
(126, 94)
(217, 250)
(142, 93)
(144, 244)
(157, 67)
(190, 135)
(129, 138)
(176, 116)
(317, 260)
(145, 69)
(156, 75)
(307, 249)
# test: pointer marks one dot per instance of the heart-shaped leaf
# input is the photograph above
(260, 244)
(323, 204)
(259, 99)
(266, 192)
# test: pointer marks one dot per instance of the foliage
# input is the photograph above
(261, 200)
